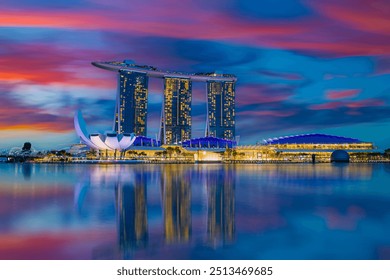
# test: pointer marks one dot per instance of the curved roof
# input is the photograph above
(109, 141)
(314, 138)
(157, 73)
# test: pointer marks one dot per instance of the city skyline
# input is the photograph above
(302, 66)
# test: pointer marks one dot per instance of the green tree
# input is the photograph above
(142, 154)
(170, 151)
(131, 153)
(91, 154)
(177, 150)
(228, 153)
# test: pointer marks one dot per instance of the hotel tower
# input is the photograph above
(176, 121)
(220, 109)
(132, 103)
(176, 124)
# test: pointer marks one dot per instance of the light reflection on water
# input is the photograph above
(209, 211)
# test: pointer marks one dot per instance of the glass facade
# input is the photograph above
(221, 109)
(132, 103)
(176, 124)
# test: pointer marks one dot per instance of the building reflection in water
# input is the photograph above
(132, 218)
(221, 206)
(130, 186)
(176, 200)
(26, 170)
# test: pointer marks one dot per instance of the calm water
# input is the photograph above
(143, 211)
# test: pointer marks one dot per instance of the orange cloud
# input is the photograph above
(14, 116)
(45, 64)
(210, 26)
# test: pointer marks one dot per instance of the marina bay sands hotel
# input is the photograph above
(176, 122)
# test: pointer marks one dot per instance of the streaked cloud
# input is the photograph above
(340, 94)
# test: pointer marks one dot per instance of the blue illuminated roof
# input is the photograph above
(142, 141)
(312, 139)
(209, 142)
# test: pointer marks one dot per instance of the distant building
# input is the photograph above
(308, 148)
(221, 109)
(78, 149)
(132, 103)
(176, 123)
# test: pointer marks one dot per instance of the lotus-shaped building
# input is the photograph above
(98, 141)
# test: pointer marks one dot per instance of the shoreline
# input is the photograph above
(105, 162)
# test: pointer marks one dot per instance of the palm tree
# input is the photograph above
(91, 154)
(142, 154)
(170, 151)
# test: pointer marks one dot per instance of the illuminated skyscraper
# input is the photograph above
(132, 103)
(221, 109)
(176, 124)
(176, 121)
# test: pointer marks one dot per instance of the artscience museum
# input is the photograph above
(109, 141)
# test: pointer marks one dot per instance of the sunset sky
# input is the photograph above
(309, 66)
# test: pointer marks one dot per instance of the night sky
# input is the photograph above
(309, 66)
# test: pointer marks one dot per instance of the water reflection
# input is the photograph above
(307, 172)
(209, 211)
(174, 185)
(26, 171)
(165, 205)
(221, 208)
(176, 197)
(130, 194)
